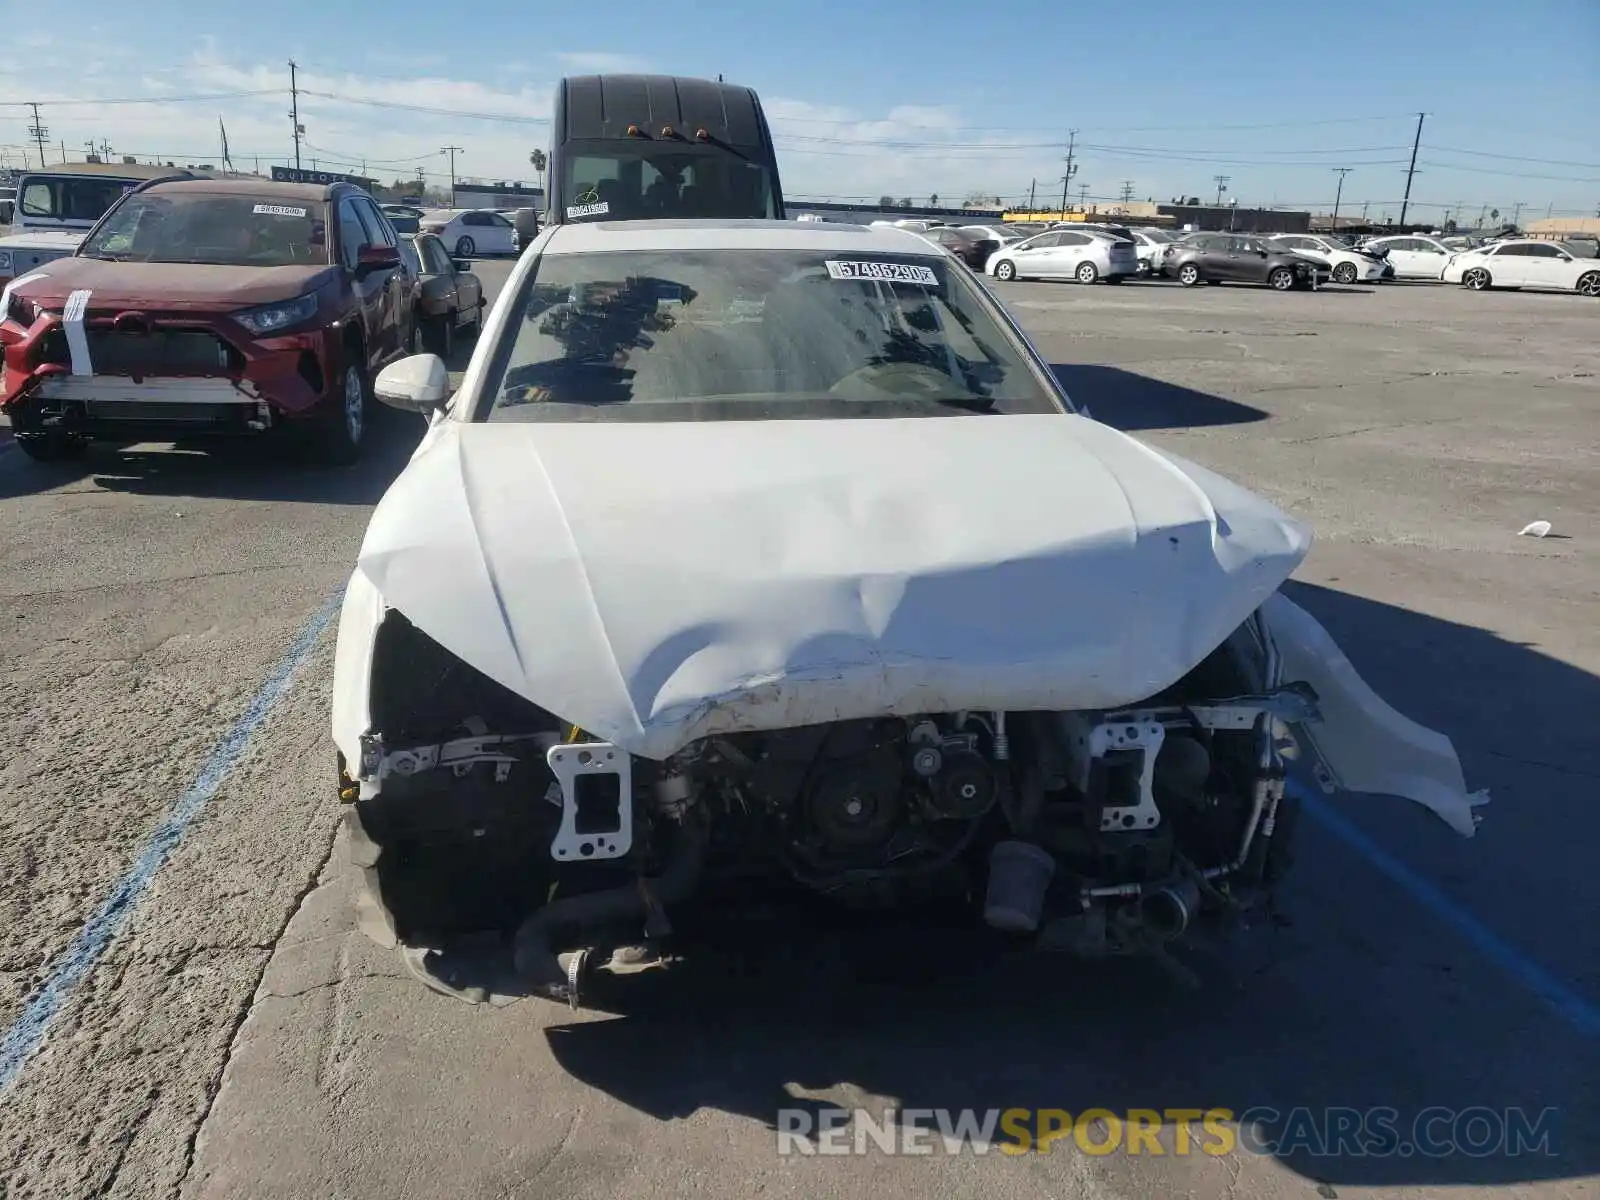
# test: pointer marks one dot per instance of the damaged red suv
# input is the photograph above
(205, 306)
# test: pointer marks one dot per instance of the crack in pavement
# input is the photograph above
(222, 573)
(235, 1033)
(127, 1139)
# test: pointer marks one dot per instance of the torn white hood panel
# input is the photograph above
(656, 583)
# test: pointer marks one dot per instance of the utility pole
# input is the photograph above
(294, 111)
(1222, 182)
(38, 133)
(1083, 198)
(1032, 185)
(1482, 214)
(1127, 191)
(1339, 195)
(1072, 143)
(1365, 204)
(452, 151)
(1516, 212)
(1412, 169)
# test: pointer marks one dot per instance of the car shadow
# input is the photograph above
(1358, 999)
(1132, 402)
(247, 470)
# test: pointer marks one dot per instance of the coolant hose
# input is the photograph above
(537, 963)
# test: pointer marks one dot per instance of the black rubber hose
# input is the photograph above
(536, 962)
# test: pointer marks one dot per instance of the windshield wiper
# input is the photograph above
(978, 404)
(105, 256)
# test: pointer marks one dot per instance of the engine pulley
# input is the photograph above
(964, 789)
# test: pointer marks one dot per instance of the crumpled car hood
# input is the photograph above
(658, 583)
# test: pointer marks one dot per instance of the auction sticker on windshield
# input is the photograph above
(277, 210)
(892, 272)
(575, 211)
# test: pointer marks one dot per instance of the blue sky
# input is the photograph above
(867, 99)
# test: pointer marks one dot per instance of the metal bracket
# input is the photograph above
(1292, 704)
(1089, 744)
(577, 767)
(458, 756)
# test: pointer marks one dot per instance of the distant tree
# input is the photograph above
(539, 161)
(1494, 214)
(885, 201)
(933, 200)
(906, 203)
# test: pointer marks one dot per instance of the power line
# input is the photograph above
(205, 97)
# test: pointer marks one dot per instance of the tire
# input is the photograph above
(1006, 271)
(464, 247)
(1188, 274)
(341, 426)
(1589, 285)
(1280, 279)
(1087, 273)
(440, 335)
(1345, 273)
(52, 447)
(1477, 280)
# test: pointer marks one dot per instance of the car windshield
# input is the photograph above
(213, 229)
(755, 335)
(634, 180)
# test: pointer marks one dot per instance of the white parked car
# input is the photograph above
(1525, 263)
(1084, 255)
(1413, 256)
(1347, 264)
(471, 231)
(1151, 249)
(846, 596)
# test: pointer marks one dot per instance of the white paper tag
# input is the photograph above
(890, 272)
(575, 211)
(277, 210)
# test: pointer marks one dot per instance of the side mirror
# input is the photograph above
(420, 383)
(463, 265)
(376, 257)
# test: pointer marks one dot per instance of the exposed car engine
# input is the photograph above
(474, 813)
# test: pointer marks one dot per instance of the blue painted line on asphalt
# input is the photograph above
(1567, 1003)
(28, 1032)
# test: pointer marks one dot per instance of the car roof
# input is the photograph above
(246, 187)
(829, 237)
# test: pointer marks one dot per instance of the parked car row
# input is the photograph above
(1091, 253)
(198, 306)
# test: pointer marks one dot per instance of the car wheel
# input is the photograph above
(343, 424)
(1006, 271)
(1477, 279)
(1344, 273)
(1281, 279)
(464, 247)
(52, 446)
(1188, 274)
(1589, 285)
(1086, 273)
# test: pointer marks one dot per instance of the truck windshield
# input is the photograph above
(83, 198)
(638, 180)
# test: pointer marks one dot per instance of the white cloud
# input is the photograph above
(599, 62)
(393, 124)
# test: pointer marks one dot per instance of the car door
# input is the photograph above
(504, 233)
(439, 279)
(1428, 258)
(1408, 257)
(1073, 248)
(370, 289)
(1507, 265)
(390, 336)
(1234, 261)
(1033, 257)
(1546, 266)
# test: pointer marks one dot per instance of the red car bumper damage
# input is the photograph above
(152, 369)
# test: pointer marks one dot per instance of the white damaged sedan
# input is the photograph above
(755, 560)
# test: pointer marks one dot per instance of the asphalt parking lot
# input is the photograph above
(164, 634)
